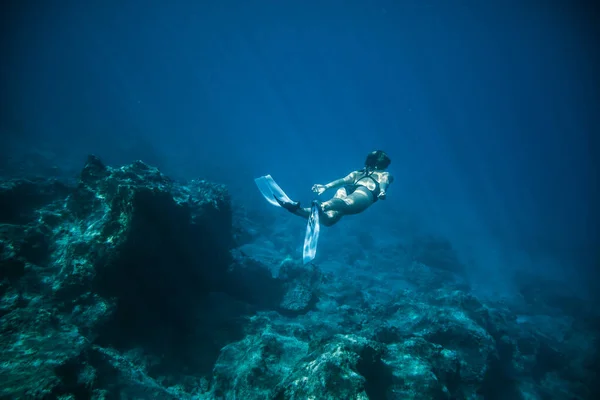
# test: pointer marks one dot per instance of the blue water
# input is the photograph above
(489, 110)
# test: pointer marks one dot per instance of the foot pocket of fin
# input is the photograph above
(288, 205)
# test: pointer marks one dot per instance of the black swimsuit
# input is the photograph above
(368, 174)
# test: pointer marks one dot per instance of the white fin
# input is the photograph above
(312, 234)
(269, 189)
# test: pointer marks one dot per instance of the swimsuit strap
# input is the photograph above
(368, 174)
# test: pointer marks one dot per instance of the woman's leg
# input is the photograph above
(354, 203)
(334, 209)
(329, 218)
(342, 204)
(303, 212)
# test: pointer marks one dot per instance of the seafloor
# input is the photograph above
(125, 284)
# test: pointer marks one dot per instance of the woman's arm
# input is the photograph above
(335, 184)
(342, 181)
(386, 179)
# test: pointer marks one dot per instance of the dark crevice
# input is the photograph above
(71, 384)
(378, 376)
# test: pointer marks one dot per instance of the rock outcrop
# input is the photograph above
(127, 284)
(125, 259)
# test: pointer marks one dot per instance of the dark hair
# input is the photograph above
(377, 160)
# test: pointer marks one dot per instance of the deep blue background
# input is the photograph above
(489, 110)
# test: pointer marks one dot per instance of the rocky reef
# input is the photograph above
(127, 284)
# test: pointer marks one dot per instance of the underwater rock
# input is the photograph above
(246, 228)
(422, 327)
(423, 275)
(20, 199)
(422, 370)
(253, 367)
(288, 286)
(436, 252)
(342, 367)
(297, 298)
(107, 263)
(128, 377)
(250, 280)
(301, 283)
(127, 285)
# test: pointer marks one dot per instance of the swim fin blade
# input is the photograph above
(270, 189)
(311, 237)
(272, 192)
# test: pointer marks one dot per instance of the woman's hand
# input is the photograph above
(319, 189)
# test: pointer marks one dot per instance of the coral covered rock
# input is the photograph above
(120, 260)
(128, 284)
(342, 367)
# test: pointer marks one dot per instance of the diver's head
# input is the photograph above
(377, 160)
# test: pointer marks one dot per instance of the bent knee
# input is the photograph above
(329, 218)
